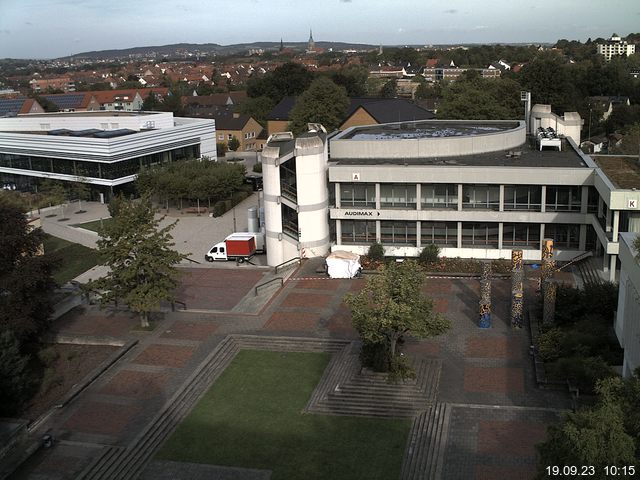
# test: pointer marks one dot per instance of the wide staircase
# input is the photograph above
(346, 389)
(424, 454)
(127, 463)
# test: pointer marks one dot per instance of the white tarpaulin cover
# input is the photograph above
(341, 264)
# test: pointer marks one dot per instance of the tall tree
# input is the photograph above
(324, 102)
(290, 79)
(26, 284)
(140, 258)
(392, 305)
(14, 379)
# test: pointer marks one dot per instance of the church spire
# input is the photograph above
(312, 45)
(281, 44)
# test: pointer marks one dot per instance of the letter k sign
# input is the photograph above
(632, 203)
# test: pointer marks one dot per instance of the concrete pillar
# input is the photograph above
(500, 232)
(541, 235)
(583, 238)
(605, 262)
(378, 234)
(584, 199)
(501, 204)
(459, 201)
(418, 196)
(608, 221)
(459, 234)
(377, 196)
(418, 234)
(338, 232)
(616, 224)
(337, 194)
(543, 199)
(612, 268)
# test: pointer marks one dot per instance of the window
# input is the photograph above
(563, 235)
(563, 199)
(230, 136)
(290, 221)
(522, 197)
(358, 195)
(358, 232)
(398, 233)
(483, 235)
(486, 197)
(221, 137)
(443, 234)
(439, 196)
(394, 195)
(521, 235)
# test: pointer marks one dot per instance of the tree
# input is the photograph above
(14, 379)
(290, 79)
(26, 284)
(595, 436)
(234, 144)
(353, 78)
(81, 191)
(140, 258)
(258, 108)
(548, 79)
(324, 102)
(392, 305)
(151, 103)
(389, 89)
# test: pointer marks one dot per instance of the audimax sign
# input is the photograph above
(360, 213)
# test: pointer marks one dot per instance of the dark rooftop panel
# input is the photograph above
(114, 133)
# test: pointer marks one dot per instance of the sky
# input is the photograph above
(56, 28)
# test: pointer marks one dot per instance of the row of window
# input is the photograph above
(106, 170)
(485, 197)
(474, 234)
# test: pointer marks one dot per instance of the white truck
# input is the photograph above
(239, 246)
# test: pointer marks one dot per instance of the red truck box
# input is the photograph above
(240, 245)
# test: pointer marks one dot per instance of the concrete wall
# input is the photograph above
(627, 322)
(85, 120)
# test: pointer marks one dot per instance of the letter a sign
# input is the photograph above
(355, 177)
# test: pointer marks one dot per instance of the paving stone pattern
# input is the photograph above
(476, 407)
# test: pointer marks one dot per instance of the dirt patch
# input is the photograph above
(67, 366)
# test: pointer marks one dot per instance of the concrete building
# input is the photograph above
(477, 189)
(627, 324)
(104, 149)
(615, 46)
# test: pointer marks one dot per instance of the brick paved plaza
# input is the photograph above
(497, 412)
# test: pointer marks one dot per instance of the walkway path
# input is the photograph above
(481, 418)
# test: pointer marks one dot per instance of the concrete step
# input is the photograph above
(424, 454)
(108, 455)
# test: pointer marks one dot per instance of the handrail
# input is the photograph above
(286, 264)
(267, 283)
(193, 261)
(576, 259)
(173, 305)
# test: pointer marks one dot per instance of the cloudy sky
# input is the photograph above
(54, 28)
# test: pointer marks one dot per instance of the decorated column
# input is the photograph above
(485, 296)
(517, 289)
(547, 287)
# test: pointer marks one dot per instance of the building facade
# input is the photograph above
(103, 149)
(475, 189)
(614, 47)
(627, 323)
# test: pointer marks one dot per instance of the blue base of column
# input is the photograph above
(485, 321)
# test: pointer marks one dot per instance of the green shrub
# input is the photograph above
(219, 208)
(14, 378)
(221, 149)
(50, 379)
(583, 372)
(375, 356)
(376, 252)
(429, 254)
(549, 344)
(238, 197)
(257, 168)
(400, 370)
(48, 355)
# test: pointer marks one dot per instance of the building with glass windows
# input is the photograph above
(103, 149)
(477, 189)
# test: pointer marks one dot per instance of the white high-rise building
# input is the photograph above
(615, 46)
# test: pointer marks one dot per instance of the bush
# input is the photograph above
(14, 379)
(583, 372)
(376, 252)
(400, 370)
(219, 208)
(375, 356)
(48, 355)
(257, 168)
(549, 344)
(221, 149)
(429, 254)
(114, 204)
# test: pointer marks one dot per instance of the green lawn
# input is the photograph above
(252, 417)
(94, 225)
(74, 258)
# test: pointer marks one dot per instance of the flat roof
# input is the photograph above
(526, 155)
(96, 113)
(623, 171)
(428, 129)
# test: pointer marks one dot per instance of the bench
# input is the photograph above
(195, 210)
